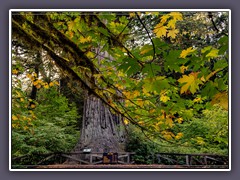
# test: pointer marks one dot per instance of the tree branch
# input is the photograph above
(114, 39)
(154, 51)
(210, 15)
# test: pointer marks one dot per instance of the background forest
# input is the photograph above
(165, 73)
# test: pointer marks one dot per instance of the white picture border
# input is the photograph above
(114, 10)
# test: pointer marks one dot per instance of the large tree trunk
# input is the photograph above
(102, 130)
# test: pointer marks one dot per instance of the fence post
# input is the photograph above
(205, 160)
(187, 160)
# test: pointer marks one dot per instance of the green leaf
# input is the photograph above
(103, 31)
(156, 84)
(223, 49)
(172, 60)
(209, 90)
(130, 66)
(151, 69)
(160, 45)
(220, 64)
(213, 53)
(223, 40)
(206, 49)
(146, 49)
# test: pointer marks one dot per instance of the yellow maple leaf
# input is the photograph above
(33, 106)
(140, 102)
(35, 83)
(221, 99)
(187, 51)
(135, 93)
(141, 123)
(132, 14)
(119, 86)
(56, 83)
(191, 82)
(152, 110)
(200, 140)
(51, 84)
(46, 86)
(213, 53)
(172, 23)
(179, 135)
(160, 30)
(164, 18)
(126, 122)
(167, 136)
(29, 76)
(90, 54)
(172, 33)
(176, 15)
(38, 86)
(71, 34)
(146, 91)
(197, 99)
(127, 94)
(14, 118)
(169, 121)
(164, 98)
(14, 71)
(85, 39)
(71, 24)
(180, 120)
(109, 73)
(183, 68)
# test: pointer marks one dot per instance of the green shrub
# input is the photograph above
(52, 129)
(145, 149)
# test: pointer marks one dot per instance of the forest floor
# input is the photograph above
(128, 166)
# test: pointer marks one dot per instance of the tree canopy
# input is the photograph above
(162, 71)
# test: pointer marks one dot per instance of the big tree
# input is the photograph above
(136, 68)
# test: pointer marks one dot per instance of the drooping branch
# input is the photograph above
(154, 51)
(62, 63)
(50, 33)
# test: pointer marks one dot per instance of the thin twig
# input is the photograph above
(154, 51)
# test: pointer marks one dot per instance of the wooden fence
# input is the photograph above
(192, 159)
(119, 158)
(79, 158)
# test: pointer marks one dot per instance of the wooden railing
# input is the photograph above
(191, 159)
(80, 157)
(122, 158)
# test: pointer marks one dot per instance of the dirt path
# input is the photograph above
(118, 166)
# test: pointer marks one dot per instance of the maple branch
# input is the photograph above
(124, 27)
(210, 15)
(62, 63)
(114, 39)
(154, 51)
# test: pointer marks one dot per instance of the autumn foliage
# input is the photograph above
(138, 64)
